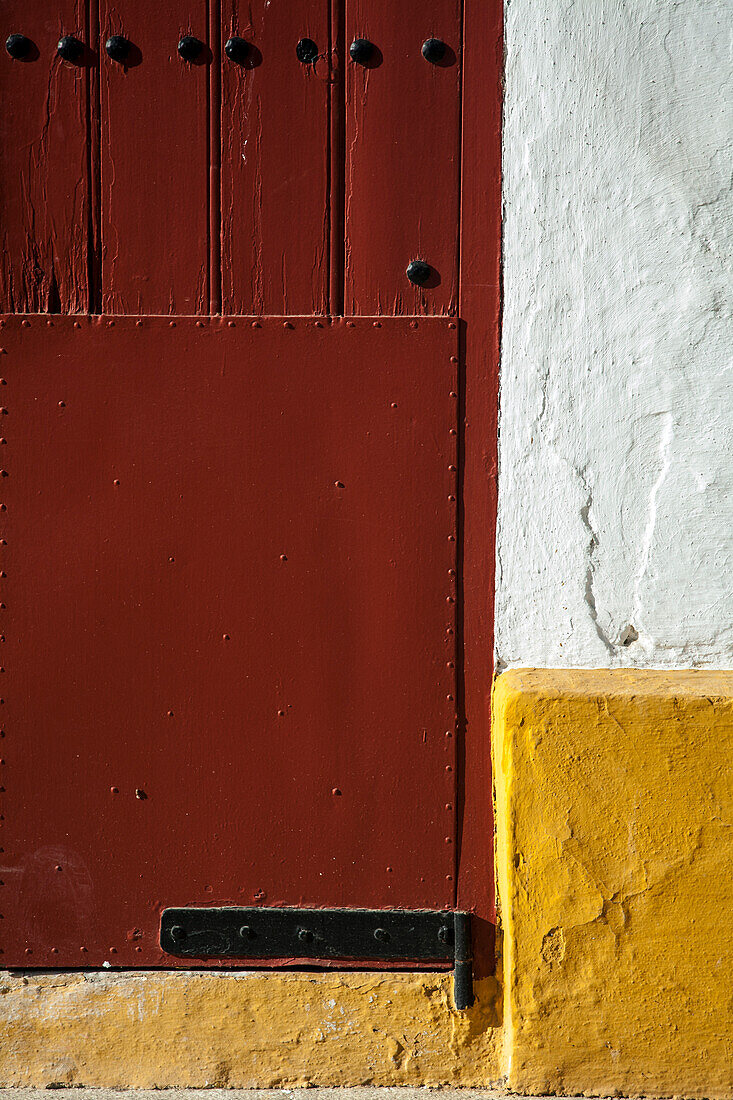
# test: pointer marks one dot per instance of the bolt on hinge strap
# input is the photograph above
(319, 934)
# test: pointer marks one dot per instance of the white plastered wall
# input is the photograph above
(615, 536)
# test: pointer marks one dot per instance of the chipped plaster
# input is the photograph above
(616, 432)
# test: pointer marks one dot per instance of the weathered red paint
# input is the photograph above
(175, 188)
(43, 166)
(154, 160)
(275, 163)
(403, 142)
(229, 623)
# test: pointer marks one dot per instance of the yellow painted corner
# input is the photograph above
(614, 806)
(156, 1029)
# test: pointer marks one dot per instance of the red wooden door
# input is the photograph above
(229, 515)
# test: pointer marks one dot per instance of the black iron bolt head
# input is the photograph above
(305, 935)
(306, 51)
(178, 933)
(117, 47)
(418, 272)
(445, 934)
(247, 932)
(382, 935)
(70, 48)
(189, 48)
(237, 50)
(433, 50)
(361, 50)
(18, 46)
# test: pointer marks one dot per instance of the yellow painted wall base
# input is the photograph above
(154, 1029)
(615, 844)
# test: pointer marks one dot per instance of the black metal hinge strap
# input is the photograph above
(402, 935)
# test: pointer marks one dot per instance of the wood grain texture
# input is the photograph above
(275, 161)
(402, 158)
(43, 167)
(154, 161)
(230, 624)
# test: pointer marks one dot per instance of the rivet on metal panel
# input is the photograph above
(49, 324)
(377, 324)
(171, 324)
(110, 324)
(452, 324)
(361, 51)
(199, 324)
(454, 358)
(226, 637)
(393, 405)
(138, 324)
(25, 324)
(77, 324)
(232, 324)
(256, 324)
(305, 935)
(287, 324)
(382, 935)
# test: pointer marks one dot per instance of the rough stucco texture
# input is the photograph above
(617, 886)
(616, 439)
(157, 1029)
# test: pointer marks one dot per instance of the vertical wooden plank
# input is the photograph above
(402, 157)
(275, 160)
(43, 164)
(480, 306)
(155, 160)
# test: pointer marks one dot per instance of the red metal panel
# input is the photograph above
(275, 162)
(402, 157)
(480, 316)
(228, 623)
(154, 160)
(43, 168)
